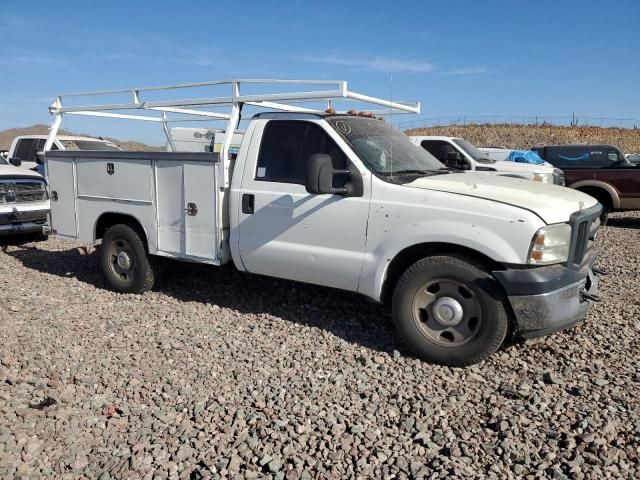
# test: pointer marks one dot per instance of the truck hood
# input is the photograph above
(552, 203)
(11, 171)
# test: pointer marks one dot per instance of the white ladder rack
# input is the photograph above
(190, 109)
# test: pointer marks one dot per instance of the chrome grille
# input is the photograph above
(22, 191)
(585, 225)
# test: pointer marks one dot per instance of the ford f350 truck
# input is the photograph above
(341, 200)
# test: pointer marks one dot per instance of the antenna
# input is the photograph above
(391, 117)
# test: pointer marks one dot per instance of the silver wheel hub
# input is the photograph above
(448, 311)
(124, 260)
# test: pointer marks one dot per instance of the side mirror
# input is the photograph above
(39, 158)
(456, 160)
(320, 175)
(15, 161)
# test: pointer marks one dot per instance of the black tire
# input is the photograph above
(41, 237)
(604, 216)
(136, 272)
(23, 238)
(604, 199)
(484, 320)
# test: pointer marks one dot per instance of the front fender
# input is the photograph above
(502, 233)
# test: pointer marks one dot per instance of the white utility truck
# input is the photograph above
(335, 199)
(460, 154)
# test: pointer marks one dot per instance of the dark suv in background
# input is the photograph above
(601, 171)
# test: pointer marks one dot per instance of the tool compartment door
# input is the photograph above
(122, 179)
(62, 192)
(200, 209)
(186, 202)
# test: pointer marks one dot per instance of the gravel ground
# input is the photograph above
(220, 374)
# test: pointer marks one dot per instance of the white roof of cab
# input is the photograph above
(65, 138)
(433, 137)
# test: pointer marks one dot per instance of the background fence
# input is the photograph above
(570, 120)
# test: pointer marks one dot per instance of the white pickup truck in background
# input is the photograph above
(24, 203)
(460, 154)
(340, 200)
(499, 154)
(26, 150)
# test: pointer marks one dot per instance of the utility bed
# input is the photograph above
(152, 187)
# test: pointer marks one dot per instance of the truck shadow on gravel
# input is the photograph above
(347, 315)
(624, 222)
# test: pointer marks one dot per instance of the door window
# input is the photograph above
(286, 147)
(39, 149)
(24, 149)
(445, 152)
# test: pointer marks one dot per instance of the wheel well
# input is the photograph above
(599, 194)
(410, 255)
(108, 220)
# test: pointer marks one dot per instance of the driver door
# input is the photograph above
(624, 176)
(286, 232)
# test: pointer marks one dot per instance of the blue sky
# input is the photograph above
(456, 57)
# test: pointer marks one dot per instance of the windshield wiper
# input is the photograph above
(421, 172)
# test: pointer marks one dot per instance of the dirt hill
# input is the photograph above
(527, 136)
(510, 136)
(7, 136)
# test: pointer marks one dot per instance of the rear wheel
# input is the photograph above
(450, 311)
(125, 263)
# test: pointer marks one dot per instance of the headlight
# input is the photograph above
(543, 177)
(550, 244)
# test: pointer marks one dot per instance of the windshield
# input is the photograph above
(383, 148)
(3, 161)
(473, 151)
(88, 145)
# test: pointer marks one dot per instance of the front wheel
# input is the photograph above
(125, 263)
(450, 311)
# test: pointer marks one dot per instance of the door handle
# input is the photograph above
(192, 209)
(248, 203)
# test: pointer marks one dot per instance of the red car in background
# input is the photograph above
(601, 171)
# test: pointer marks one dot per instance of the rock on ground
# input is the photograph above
(221, 374)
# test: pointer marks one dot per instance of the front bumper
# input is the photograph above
(548, 299)
(24, 228)
(17, 222)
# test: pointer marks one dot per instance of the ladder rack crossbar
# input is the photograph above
(164, 111)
